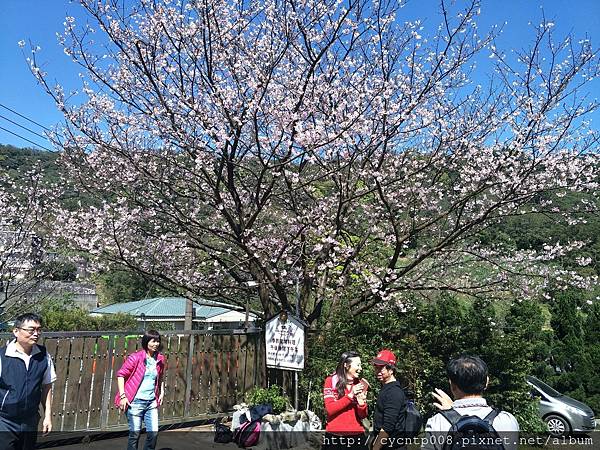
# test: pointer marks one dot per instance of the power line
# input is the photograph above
(25, 128)
(25, 139)
(25, 117)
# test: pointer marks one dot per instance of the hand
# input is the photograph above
(124, 403)
(160, 398)
(47, 425)
(361, 398)
(443, 400)
(356, 389)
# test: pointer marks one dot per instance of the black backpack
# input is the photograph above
(472, 432)
(413, 421)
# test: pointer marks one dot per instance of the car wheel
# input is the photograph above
(557, 426)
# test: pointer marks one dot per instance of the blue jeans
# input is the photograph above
(146, 411)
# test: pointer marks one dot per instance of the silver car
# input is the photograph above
(562, 414)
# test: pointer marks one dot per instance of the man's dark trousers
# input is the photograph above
(18, 436)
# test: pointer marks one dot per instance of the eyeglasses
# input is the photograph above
(30, 331)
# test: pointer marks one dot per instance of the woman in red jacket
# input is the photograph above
(141, 390)
(345, 398)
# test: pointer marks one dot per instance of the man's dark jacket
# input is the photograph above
(21, 387)
(390, 411)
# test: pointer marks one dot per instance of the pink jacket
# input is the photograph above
(133, 370)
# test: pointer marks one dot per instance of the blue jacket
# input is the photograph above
(21, 387)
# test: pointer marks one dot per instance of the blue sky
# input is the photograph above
(39, 20)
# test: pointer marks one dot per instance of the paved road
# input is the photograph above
(193, 438)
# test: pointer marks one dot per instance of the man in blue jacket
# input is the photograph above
(26, 377)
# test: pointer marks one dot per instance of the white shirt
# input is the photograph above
(13, 352)
(505, 423)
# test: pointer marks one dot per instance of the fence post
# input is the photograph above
(188, 377)
(106, 383)
(258, 368)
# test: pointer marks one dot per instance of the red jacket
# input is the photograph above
(344, 414)
(133, 370)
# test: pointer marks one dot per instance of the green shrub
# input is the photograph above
(273, 396)
(63, 315)
(160, 326)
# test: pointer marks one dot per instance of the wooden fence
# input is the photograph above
(207, 372)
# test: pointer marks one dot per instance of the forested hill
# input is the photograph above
(18, 160)
(15, 162)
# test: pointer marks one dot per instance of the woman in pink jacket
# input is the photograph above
(141, 390)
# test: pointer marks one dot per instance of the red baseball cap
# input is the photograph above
(384, 357)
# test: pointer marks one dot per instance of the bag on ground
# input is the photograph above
(223, 434)
(259, 411)
(247, 434)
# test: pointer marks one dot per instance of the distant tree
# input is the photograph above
(116, 322)
(518, 344)
(58, 270)
(118, 286)
(568, 344)
(575, 351)
(591, 381)
(160, 326)
(63, 315)
(527, 323)
(298, 150)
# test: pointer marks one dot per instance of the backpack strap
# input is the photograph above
(491, 416)
(451, 415)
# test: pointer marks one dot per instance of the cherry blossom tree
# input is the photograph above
(318, 154)
(23, 214)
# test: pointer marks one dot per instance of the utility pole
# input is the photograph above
(296, 381)
(189, 312)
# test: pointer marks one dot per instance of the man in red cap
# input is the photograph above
(390, 410)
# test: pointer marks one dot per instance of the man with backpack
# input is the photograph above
(468, 422)
(390, 410)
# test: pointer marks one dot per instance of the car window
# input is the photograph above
(544, 387)
(537, 394)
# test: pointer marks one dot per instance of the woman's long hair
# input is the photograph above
(342, 372)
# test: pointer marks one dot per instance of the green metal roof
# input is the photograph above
(162, 307)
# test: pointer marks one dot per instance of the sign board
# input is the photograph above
(284, 338)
